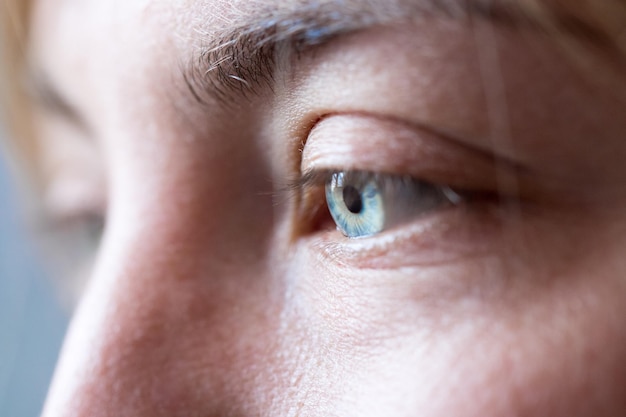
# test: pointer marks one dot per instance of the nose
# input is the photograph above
(181, 308)
(161, 331)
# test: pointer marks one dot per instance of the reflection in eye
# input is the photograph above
(364, 204)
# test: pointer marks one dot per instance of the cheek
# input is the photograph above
(397, 342)
(477, 371)
(195, 307)
(562, 354)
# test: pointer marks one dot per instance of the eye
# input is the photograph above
(364, 204)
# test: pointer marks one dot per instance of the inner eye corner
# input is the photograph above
(316, 219)
(312, 213)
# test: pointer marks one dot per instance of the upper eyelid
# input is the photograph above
(320, 177)
(366, 142)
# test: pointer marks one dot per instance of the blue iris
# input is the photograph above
(357, 207)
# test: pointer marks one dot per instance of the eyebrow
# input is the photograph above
(236, 61)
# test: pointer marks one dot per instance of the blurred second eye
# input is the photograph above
(363, 204)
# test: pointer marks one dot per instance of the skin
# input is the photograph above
(218, 291)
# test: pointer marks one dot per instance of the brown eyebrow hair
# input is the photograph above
(236, 61)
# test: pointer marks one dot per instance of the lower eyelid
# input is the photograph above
(442, 237)
(421, 244)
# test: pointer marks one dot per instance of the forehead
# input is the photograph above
(93, 48)
(89, 48)
(109, 26)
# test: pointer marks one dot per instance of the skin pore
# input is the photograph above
(221, 285)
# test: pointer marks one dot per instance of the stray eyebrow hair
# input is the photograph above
(236, 61)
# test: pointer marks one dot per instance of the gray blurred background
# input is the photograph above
(32, 323)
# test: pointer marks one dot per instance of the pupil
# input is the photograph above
(352, 199)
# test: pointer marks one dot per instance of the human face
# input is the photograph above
(222, 286)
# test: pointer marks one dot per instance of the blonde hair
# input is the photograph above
(15, 111)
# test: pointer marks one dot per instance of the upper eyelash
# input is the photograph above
(312, 178)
